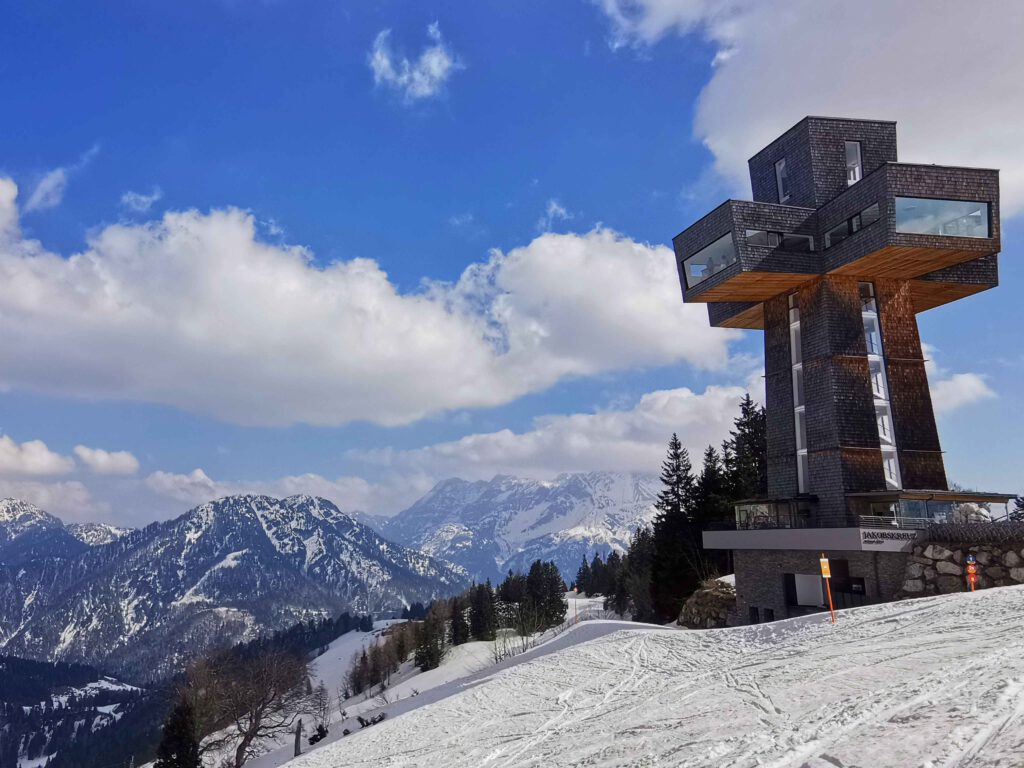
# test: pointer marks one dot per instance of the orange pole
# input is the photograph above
(831, 608)
(828, 590)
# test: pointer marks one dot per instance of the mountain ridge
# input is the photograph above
(223, 571)
(490, 526)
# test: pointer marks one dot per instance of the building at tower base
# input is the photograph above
(838, 252)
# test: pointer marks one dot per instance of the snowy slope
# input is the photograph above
(491, 526)
(96, 534)
(931, 682)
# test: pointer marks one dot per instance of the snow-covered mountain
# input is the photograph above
(27, 532)
(490, 526)
(95, 534)
(222, 572)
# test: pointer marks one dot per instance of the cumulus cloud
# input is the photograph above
(70, 500)
(8, 208)
(195, 311)
(49, 190)
(31, 458)
(629, 439)
(140, 202)
(927, 64)
(413, 80)
(349, 493)
(621, 439)
(952, 391)
(107, 462)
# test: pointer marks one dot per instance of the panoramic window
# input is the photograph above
(956, 218)
(853, 165)
(855, 223)
(709, 260)
(786, 241)
(782, 180)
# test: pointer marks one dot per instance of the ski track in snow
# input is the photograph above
(933, 683)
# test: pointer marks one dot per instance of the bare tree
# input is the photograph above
(244, 701)
(320, 705)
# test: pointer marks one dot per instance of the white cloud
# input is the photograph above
(31, 458)
(349, 493)
(631, 439)
(192, 488)
(194, 311)
(555, 211)
(107, 462)
(8, 208)
(947, 76)
(69, 500)
(958, 390)
(414, 80)
(952, 391)
(621, 439)
(49, 190)
(140, 202)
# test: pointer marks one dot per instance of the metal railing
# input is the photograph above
(885, 521)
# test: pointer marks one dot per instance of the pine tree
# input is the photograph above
(598, 576)
(637, 576)
(178, 745)
(483, 618)
(583, 577)
(1017, 513)
(460, 628)
(672, 574)
(745, 454)
(711, 498)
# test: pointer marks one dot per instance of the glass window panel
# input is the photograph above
(959, 218)
(837, 234)
(870, 215)
(757, 237)
(709, 260)
(797, 243)
(801, 472)
(877, 379)
(801, 431)
(853, 164)
(782, 180)
(872, 337)
(795, 351)
(884, 424)
(798, 386)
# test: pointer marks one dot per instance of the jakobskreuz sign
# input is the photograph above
(886, 540)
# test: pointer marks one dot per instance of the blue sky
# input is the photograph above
(352, 249)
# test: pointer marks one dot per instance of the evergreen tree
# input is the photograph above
(1017, 513)
(745, 453)
(598, 576)
(637, 576)
(711, 498)
(673, 576)
(611, 568)
(513, 589)
(460, 628)
(483, 618)
(178, 745)
(583, 576)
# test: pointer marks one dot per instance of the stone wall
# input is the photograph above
(709, 607)
(938, 568)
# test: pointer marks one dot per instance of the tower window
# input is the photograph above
(854, 170)
(782, 180)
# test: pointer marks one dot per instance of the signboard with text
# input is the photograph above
(887, 539)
